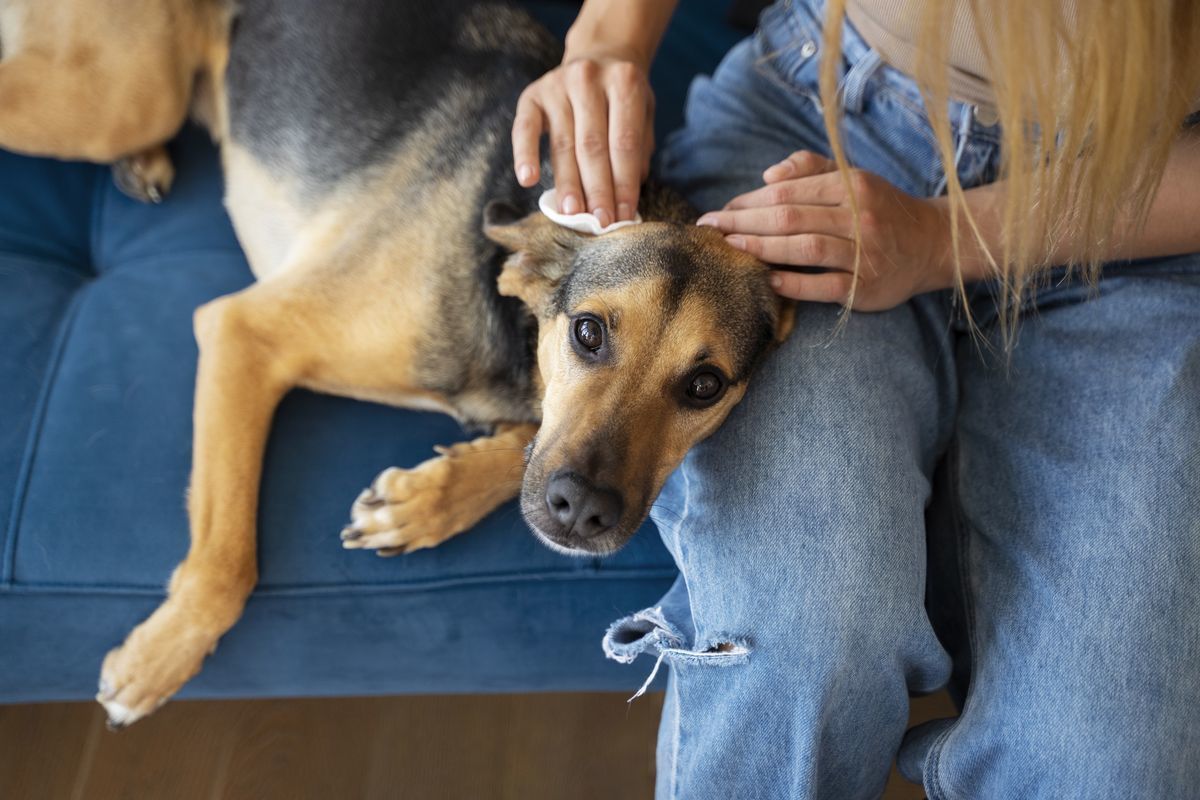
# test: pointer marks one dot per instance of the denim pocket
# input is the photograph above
(788, 43)
(790, 39)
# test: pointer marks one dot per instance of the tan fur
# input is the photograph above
(411, 509)
(336, 274)
(65, 61)
(305, 325)
(638, 389)
(334, 279)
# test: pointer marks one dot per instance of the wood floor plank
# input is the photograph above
(439, 747)
(581, 746)
(175, 753)
(504, 747)
(301, 749)
(41, 748)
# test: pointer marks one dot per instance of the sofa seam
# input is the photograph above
(29, 457)
(59, 265)
(158, 258)
(360, 588)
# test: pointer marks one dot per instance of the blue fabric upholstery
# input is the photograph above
(97, 365)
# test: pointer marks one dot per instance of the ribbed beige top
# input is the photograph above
(892, 26)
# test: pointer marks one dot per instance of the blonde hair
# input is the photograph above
(1090, 96)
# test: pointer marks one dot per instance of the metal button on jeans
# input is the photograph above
(808, 49)
(987, 116)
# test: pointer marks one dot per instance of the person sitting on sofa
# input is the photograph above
(1060, 399)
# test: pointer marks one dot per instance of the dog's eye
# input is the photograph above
(589, 333)
(705, 387)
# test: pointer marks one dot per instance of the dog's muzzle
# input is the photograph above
(578, 511)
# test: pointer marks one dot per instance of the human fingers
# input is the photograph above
(589, 105)
(627, 141)
(782, 220)
(800, 250)
(561, 126)
(799, 164)
(528, 125)
(824, 189)
(821, 287)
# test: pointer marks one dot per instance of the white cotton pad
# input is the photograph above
(584, 223)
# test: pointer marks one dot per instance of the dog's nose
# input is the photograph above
(582, 508)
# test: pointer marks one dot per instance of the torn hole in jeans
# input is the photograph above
(648, 631)
(722, 654)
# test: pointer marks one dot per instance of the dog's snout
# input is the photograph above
(582, 509)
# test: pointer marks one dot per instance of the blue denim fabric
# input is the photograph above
(798, 627)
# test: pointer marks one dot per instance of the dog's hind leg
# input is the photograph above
(411, 509)
(50, 109)
(247, 364)
(96, 81)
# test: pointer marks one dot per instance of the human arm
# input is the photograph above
(802, 217)
(597, 108)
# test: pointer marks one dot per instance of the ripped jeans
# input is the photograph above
(1068, 493)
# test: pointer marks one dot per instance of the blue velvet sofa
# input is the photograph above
(97, 365)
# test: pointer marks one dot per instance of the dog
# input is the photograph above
(366, 160)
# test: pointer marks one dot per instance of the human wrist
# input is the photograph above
(621, 30)
(968, 262)
(589, 44)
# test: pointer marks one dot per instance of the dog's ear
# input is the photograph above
(785, 320)
(543, 254)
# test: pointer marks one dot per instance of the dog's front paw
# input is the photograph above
(406, 510)
(146, 176)
(157, 658)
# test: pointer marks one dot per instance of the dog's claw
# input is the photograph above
(349, 534)
(146, 176)
(113, 725)
(369, 499)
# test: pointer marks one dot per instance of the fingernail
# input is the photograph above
(603, 217)
(776, 282)
(524, 174)
(781, 170)
(708, 219)
(624, 212)
(569, 205)
(736, 241)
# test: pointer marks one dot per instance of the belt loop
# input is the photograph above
(854, 87)
(963, 133)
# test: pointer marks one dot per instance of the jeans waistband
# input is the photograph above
(792, 32)
(788, 24)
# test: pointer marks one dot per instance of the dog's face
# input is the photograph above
(647, 338)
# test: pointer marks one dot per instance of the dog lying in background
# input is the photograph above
(366, 159)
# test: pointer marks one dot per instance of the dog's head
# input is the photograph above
(647, 338)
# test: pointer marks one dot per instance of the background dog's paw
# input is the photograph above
(146, 176)
(405, 510)
(157, 658)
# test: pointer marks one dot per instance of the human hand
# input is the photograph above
(598, 111)
(802, 217)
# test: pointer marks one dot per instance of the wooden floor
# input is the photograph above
(509, 747)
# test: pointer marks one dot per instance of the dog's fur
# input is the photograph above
(366, 158)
